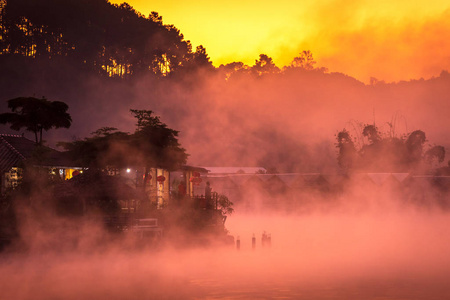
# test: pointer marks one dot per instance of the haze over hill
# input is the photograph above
(231, 115)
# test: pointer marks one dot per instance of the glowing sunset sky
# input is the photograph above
(389, 40)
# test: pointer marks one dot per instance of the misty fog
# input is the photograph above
(353, 240)
(285, 120)
(397, 252)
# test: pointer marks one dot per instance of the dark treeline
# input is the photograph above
(113, 40)
(382, 152)
(107, 39)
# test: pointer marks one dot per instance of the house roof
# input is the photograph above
(381, 178)
(235, 170)
(193, 168)
(15, 149)
(243, 179)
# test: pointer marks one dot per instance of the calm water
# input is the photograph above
(394, 256)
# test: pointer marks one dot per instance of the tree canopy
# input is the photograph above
(114, 40)
(153, 144)
(109, 39)
(36, 115)
(385, 153)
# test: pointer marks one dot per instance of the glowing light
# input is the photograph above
(114, 69)
(128, 170)
(162, 65)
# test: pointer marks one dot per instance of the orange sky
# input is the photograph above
(388, 40)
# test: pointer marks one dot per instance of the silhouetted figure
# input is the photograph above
(181, 195)
(264, 239)
(182, 190)
(208, 195)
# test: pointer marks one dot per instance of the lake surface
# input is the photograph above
(319, 256)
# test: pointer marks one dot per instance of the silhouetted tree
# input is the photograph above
(107, 147)
(153, 144)
(201, 58)
(155, 17)
(347, 155)
(264, 65)
(372, 134)
(36, 115)
(114, 40)
(386, 154)
(233, 68)
(435, 154)
(414, 146)
(157, 143)
(304, 61)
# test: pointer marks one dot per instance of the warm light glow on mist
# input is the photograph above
(395, 40)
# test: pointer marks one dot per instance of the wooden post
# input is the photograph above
(253, 242)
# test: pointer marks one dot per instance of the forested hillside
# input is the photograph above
(112, 40)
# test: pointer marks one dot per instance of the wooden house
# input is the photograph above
(16, 152)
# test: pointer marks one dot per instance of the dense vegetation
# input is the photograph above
(386, 152)
(36, 115)
(153, 144)
(113, 40)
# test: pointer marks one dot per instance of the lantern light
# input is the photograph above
(195, 180)
(160, 179)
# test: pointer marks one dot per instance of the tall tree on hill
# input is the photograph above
(36, 115)
(304, 61)
(264, 65)
(113, 40)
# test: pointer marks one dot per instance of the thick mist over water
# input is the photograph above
(346, 252)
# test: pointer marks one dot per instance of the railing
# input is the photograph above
(204, 203)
